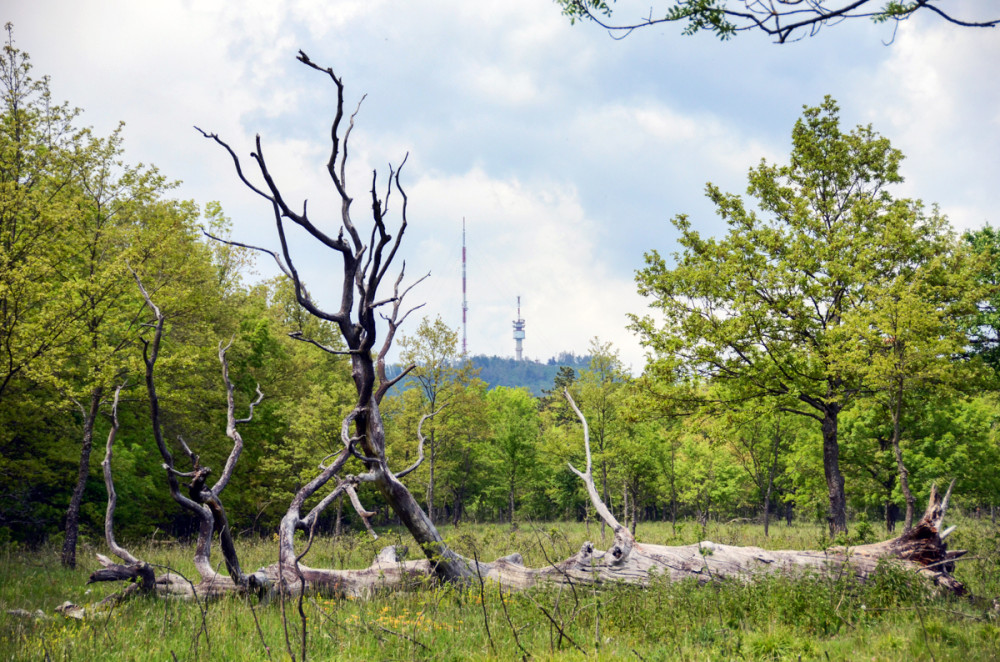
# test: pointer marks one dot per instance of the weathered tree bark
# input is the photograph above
(136, 570)
(922, 549)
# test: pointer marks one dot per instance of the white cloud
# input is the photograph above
(936, 96)
(501, 85)
(532, 240)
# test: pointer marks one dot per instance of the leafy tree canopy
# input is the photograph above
(776, 308)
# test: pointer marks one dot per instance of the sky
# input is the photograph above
(565, 151)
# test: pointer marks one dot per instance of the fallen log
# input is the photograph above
(923, 549)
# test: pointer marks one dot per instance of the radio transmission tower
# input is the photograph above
(518, 331)
(465, 303)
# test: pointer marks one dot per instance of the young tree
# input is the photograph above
(600, 390)
(433, 351)
(908, 339)
(121, 220)
(515, 426)
(40, 150)
(759, 439)
(763, 309)
(73, 216)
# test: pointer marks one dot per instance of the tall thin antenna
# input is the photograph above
(465, 304)
(518, 331)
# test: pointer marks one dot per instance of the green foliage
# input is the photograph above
(983, 326)
(827, 299)
(793, 304)
(514, 424)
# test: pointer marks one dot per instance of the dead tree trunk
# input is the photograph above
(136, 570)
(922, 549)
(365, 266)
(203, 501)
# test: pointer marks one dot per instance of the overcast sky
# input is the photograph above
(566, 152)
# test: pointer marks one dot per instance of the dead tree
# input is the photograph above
(201, 500)
(922, 549)
(365, 267)
(136, 570)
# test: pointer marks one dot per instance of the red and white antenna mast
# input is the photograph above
(465, 304)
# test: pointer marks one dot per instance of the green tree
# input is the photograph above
(38, 142)
(908, 338)
(120, 221)
(463, 474)
(948, 435)
(74, 217)
(759, 438)
(433, 351)
(709, 479)
(515, 427)
(784, 20)
(763, 309)
(983, 326)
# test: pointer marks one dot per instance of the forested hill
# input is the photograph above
(533, 375)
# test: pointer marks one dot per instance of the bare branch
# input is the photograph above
(420, 446)
(297, 335)
(277, 258)
(623, 538)
(187, 451)
(362, 513)
(796, 20)
(232, 422)
(394, 322)
(109, 515)
(236, 163)
(385, 385)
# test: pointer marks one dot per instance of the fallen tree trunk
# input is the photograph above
(922, 549)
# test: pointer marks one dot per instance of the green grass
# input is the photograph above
(893, 617)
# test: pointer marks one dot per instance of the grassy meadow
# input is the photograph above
(896, 616)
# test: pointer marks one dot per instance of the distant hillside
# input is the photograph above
(504, 371)
(535, 376)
